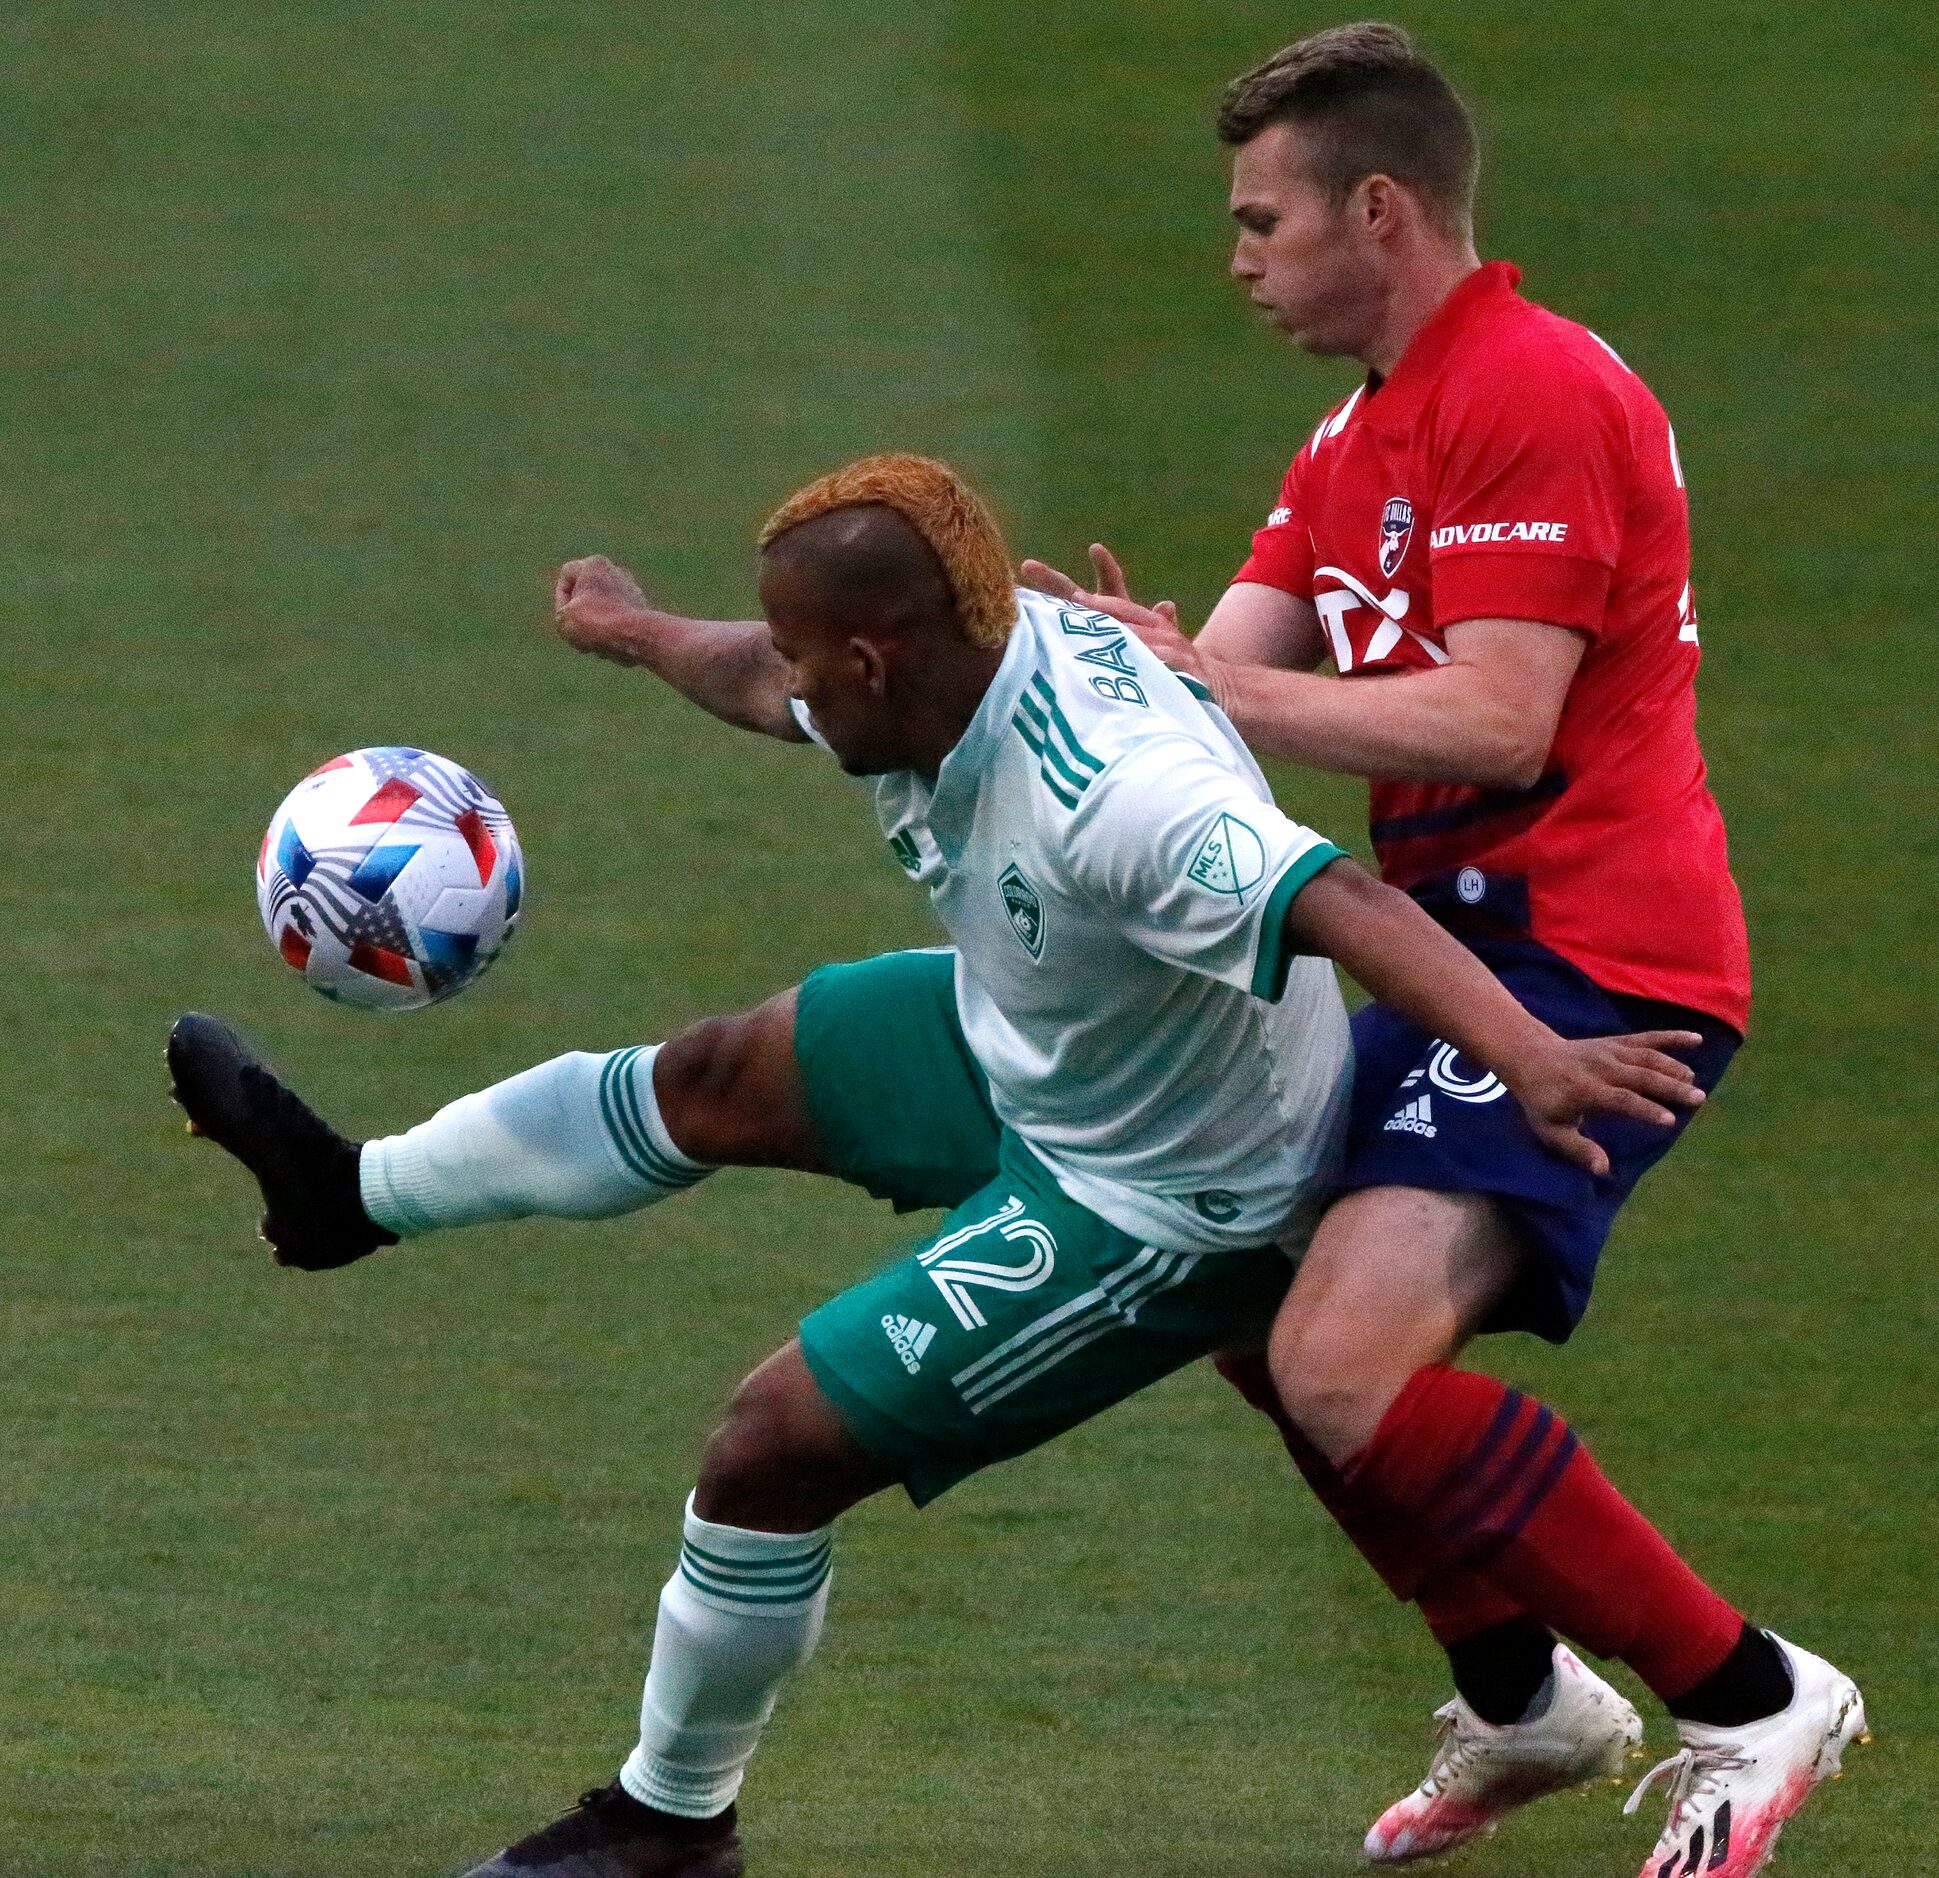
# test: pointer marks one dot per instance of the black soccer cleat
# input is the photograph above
(609, 1834)
(314, 1215)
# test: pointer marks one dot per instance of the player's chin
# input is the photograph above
(1316, 337)
(865, 762)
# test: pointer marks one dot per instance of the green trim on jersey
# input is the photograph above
(1202, 692)
(1276, 952)
(1041, 723)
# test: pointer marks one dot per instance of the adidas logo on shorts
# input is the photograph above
(910, 1338)
(1417, 1118)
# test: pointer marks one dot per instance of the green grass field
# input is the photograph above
(326, 332)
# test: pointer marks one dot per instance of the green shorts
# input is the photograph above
(1026, 1314)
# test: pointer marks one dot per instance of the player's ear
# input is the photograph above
(1379, 207)
(872, 666)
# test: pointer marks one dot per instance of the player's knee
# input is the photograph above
(1333, 1386)
(708, 1085)
(769, 1464)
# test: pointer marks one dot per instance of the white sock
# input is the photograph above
(741, 1611)
(579, 1137)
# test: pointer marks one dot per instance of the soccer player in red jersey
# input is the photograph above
(1489, 539)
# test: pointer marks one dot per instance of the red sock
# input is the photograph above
(1485, 1480)
(1457, 1604)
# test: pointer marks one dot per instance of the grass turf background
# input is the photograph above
(326, 333)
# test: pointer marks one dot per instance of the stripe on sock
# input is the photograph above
(627, 1126)
(1476, 1489)
(792, 1579)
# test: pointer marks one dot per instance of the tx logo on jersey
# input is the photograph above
(1396, 531)
(1026, 909)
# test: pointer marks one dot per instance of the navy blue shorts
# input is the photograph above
(1425, 1116)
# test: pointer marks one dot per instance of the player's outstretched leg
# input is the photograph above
(742, 1611)
(584, 1136)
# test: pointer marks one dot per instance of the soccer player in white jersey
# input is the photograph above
(1126, 1082)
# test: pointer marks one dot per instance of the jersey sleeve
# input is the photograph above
(1531, 482)
(1282, 551)
(1193, 866)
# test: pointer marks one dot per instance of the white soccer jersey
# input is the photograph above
(1108, 861)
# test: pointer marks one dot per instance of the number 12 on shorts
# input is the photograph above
(956, 1277)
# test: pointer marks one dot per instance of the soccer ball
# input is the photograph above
(390, 878)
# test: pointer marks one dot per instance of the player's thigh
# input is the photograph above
(899, 1105)
(1427, 1118)
(730, 1091)
(1395, 1278)
(1024, 1316)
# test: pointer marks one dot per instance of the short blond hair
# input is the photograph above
(944, 510)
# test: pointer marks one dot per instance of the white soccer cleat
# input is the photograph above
(1732, 1789)
(1481, 1772)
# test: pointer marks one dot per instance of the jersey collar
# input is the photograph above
(1397, 400)
(952, 803)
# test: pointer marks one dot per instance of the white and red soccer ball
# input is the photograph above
(390, 878)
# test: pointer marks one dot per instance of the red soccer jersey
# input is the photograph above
(1512, 467)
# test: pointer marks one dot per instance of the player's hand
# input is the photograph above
(1105, 571)
(595, 603)
(1634, 1076)
(1156, 625)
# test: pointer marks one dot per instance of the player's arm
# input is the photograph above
(1384, 942)
(728, 667)
(1203, 874)
(1487, 717)
(1254, 624)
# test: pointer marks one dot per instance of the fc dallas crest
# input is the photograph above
(1396, 530)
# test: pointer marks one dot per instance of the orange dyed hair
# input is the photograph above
(944, 510)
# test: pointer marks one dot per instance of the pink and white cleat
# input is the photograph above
(1732, 1789)
(1481, 1772)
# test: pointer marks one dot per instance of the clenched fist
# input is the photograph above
(597, 608)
